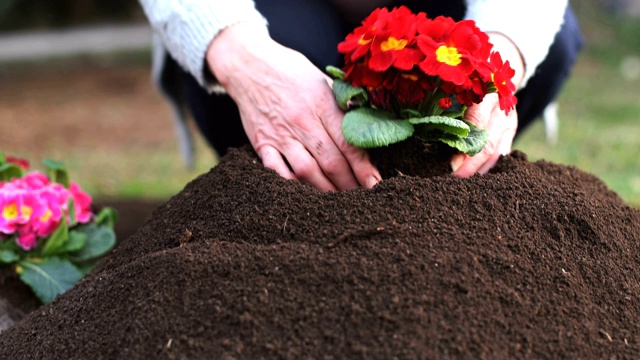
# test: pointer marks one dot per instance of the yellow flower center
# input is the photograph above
(363, 41)
(393, 44)
(448, 55)
(493, 80)
(26, 211)
(47, 215)
(10, 212)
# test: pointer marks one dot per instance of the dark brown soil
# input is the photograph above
(534, 260)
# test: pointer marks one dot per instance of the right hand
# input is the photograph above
(288, 110)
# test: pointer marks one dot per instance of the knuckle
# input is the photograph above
(303, 168)
(333, 166)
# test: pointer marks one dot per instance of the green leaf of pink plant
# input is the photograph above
(56, 171)
(55, 243)
(9, 171)
(8, 256)
(48, 277)
(77, 241)
(100, 240)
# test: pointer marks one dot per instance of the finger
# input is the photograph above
(272, 159)
(480, 114)
(471, 164)
(332, 162)
(359, 169)
(502, 148)
(306, 167)
(366, 173)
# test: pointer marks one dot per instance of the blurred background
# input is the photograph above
(75, 86)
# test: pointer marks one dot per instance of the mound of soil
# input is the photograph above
(532, 260)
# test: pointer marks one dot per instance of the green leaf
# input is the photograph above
(471, 145)
(347, 95)
(86, 268)
(71, 205)
(409, 113)
(369, 128)
(106, 216)
(9, 171)
(441, 123)
(57, 172)
(336, 72)
(100, 239)
(49, 277)
(77, 241)
(8, 256)
(55, 243)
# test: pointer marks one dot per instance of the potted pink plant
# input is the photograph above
(50, 237)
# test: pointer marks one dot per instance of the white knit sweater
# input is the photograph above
(187, 27)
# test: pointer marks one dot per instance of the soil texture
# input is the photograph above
(533, 260)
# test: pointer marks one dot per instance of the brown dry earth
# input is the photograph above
(534, 260)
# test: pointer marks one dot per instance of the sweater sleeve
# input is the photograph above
(531, 25)
(187, 27)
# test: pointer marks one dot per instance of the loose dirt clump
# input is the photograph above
(534, 260)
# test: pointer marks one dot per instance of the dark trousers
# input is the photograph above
(314, 28)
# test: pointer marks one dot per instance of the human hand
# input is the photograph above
(501, 129)
(487, 115)
(288, 110)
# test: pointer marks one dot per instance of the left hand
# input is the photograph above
(501, 129)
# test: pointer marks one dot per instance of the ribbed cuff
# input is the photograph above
(188, 27)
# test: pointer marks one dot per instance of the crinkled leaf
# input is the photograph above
(55, 243)
(49, 277)
(369, 128)
(476, 140)
(100, 239)
(441, 123)
(336, 72)
(347, 95)
(471, 145)
(57, 172)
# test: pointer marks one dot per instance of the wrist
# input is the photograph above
(223, 54)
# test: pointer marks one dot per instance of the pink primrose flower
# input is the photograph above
(49, 213)
(26, 237)
(35, 180)
(32, 207)
(82, 202)
(16, 207)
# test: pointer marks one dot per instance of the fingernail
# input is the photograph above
(370, 182)
(456, 162)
